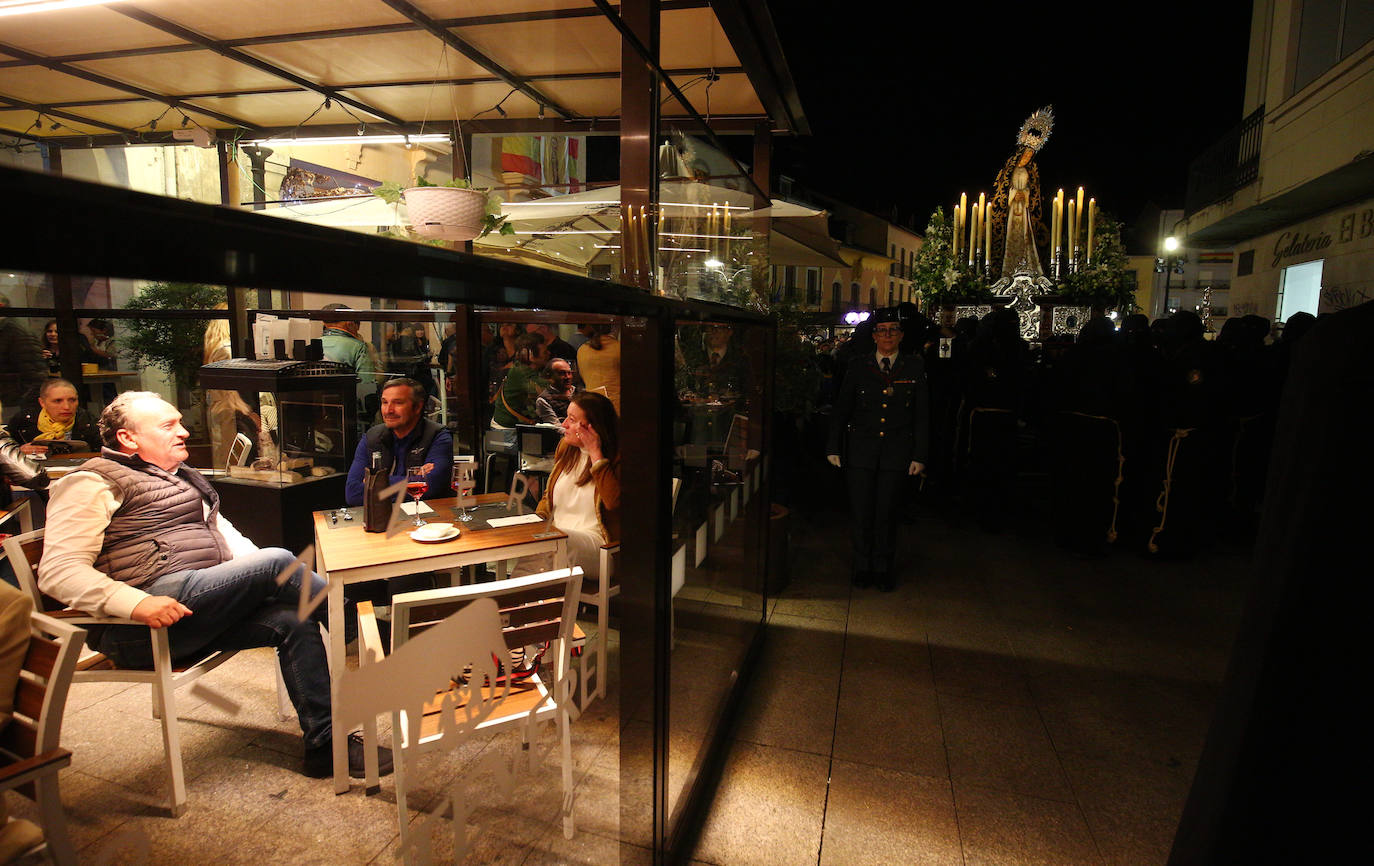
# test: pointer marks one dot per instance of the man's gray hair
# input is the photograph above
(418, 394)
(115, 417)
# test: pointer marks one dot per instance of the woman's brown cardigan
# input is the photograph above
(606, 477)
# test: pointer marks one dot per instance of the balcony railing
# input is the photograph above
(1227, 166)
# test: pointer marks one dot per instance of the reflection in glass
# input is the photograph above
(718, 518)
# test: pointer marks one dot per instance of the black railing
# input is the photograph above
(1229, 165)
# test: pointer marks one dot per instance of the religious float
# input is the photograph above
(997, 251)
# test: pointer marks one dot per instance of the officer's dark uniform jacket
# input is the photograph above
(885, 415)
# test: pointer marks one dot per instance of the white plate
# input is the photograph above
(426, 535)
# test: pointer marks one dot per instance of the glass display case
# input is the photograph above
(293, 427)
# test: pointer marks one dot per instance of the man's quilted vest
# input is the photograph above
(160, 526)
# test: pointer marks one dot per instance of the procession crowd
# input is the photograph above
(1153, 436)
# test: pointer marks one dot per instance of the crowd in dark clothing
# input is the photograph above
(1148, 435)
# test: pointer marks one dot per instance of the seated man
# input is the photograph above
(56, 419)
(405, 438)
(551, 406)
(135, 533)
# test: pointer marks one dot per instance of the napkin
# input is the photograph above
(512, 521)
(409, 508)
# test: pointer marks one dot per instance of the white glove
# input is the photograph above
(915, 468)
(834, 460)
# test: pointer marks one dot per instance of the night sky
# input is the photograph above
(910, 105)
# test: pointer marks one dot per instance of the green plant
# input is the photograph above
(1104, 282)
(492, 221)
(941, 279)
(175, 346)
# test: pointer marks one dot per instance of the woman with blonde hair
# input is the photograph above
(598, 362)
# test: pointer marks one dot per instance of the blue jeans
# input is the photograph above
(237, 605)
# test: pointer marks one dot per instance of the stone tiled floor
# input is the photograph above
(248, 803)
(1008, 704)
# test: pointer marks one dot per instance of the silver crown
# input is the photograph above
(1036, 130)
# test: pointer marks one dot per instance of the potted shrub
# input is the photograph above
(1104, 283)
(174, 346)
(449, 211)
(943, 281)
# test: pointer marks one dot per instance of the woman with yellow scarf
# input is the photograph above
(57, 418)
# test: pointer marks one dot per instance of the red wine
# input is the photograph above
(416, 489)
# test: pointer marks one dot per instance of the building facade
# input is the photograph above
(1292, 188)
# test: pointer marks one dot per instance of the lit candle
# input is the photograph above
(1078, 220)
(958, 228)
(973, 236)
(713, 229)
(963, 216)
(982, 230)
(726, 242)
(645, 254)
(1092, 218)
(1068, 226)
(987, 234)
(1059, 236)
(1054, 227)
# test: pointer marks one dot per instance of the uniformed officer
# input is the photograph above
(883, 405)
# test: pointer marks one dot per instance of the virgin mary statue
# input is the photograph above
(1016, 199)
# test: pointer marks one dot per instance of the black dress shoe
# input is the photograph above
(319, 760)
(885, 581)
(863, 579)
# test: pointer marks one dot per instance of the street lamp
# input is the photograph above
(1169, 264)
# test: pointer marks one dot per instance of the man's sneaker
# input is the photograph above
(319, 760)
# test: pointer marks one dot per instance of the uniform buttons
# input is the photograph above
(882, 420)
(880, 434)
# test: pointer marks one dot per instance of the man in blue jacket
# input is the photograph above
(405, 438)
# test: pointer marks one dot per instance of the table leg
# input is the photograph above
(337, 662)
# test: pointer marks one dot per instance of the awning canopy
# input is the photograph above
(254, 68)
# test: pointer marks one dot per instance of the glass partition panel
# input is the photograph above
(303, 427)
(719, 527)
(710, 245)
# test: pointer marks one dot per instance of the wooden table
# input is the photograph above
(19, 511)
(347, 554)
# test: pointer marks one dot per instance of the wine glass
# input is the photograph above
(417, 485)
(463, 485)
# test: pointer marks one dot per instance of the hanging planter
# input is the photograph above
(446, 213)
(449, 212)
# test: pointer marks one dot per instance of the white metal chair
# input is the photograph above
(29, 746)
(597, 592)
(438, 633)
(24, 552)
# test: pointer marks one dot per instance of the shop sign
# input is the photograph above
(1291, 244)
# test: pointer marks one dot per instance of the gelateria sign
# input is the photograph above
(1356, 225)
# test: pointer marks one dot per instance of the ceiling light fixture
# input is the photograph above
(427, 138)
(23, 7)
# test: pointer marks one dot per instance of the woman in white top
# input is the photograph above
(582, 497)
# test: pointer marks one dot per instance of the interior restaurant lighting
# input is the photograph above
(427, 138)
(23, 7)
(660, 249)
